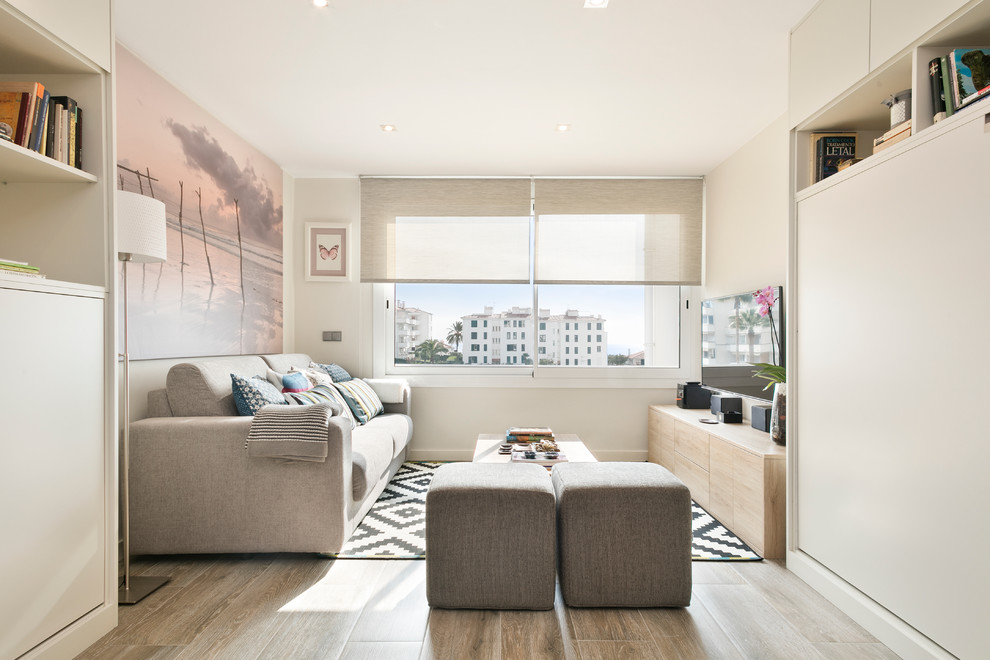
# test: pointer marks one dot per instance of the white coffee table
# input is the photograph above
(486, 449)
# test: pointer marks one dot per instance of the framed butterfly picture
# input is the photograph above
(327, 252)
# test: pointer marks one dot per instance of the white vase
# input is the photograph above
(778, 414)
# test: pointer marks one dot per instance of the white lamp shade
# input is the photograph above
(140, 228)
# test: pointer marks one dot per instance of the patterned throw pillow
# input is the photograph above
(250, 394)
(362, 400)
(290, 382)
(335, 371)
(324, 394)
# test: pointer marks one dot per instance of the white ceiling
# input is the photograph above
(477, 87)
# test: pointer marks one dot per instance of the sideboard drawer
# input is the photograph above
(694, 477)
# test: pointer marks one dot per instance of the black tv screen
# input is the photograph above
(734, 337)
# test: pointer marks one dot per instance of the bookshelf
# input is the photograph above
(859, 107)
(58, 563)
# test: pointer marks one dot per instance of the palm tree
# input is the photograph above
(455, 334)
(431, 351)
(747, 321)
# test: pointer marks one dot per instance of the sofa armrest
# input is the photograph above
(395, 394)
(194, 489)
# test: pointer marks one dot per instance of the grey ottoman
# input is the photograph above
(491, 537)
(624, 535)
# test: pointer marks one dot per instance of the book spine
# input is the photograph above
(50, 129)
(950, 107)
(78, 141)
(22, 117)
(40, 115)
(935, 85)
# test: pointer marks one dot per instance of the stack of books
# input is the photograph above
(528, 434)
(957, 79)
(19, 269)
(30, 116)
(893, 136)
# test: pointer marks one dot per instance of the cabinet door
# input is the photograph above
(895, 24)
(52, 472)
(830, 51)
(692, 443)
(891, 277)
(83, 24)
(720, 491)
(747, 508)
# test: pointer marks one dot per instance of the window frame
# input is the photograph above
(535, 375)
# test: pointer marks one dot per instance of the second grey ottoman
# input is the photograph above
(624, 535)
(491, 537)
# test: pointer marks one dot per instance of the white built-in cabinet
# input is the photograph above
(58, 452)
(887, 373)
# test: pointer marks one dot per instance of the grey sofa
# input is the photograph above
(194, 489)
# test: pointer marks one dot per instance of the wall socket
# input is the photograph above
(331, 335)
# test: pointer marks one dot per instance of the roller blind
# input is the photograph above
(618, 231)
(445, 230)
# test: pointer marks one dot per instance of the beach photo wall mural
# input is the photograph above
(220, 291)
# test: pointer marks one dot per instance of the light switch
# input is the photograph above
(331, 335)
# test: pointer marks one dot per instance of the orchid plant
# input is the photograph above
(770, 371)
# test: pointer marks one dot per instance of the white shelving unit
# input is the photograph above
(859, 108)
(883, 477)
(58, 556)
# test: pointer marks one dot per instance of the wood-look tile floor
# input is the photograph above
(305, 606)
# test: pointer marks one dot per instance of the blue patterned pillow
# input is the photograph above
(250, 394)
(335, 371)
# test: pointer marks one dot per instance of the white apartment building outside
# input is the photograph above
(569, 339)
(412, 327)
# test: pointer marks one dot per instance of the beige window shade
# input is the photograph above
(445, 230)
(618, 231)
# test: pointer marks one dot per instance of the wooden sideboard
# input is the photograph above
(734, 472)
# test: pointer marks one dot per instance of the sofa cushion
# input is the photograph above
(203, 388)
(399, 428)
(363, 400)
(253, 393)
(335, 371)
(371, 454)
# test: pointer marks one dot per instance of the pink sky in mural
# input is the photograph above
(217, 294)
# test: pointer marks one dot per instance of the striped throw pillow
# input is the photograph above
(324, 394)
(363, 400)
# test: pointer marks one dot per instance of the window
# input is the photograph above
(510, 348)
(421, 236)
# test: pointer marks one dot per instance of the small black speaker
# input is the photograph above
(723, 403)
(760, 417)
(693, 395)
(730, 417)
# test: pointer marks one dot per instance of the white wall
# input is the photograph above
(746, 212)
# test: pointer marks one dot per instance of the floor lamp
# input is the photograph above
(140, 238)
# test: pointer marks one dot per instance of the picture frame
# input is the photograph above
(328, 252)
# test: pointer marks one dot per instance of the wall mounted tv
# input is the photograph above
(734, 336)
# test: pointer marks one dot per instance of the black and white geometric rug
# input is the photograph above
(395, 527)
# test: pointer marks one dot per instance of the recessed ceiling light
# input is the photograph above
(324, 3)
(563, 128)
(388, 128)
(595, 4)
